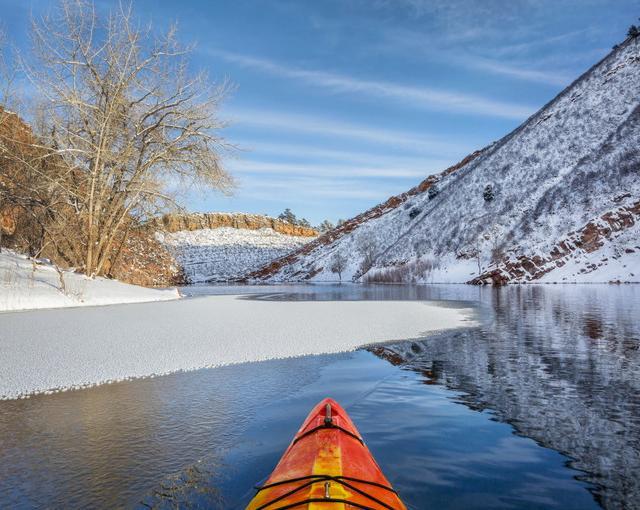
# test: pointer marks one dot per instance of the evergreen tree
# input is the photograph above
(488, 193)
(288, 216)
(633, 32)
(325, 226)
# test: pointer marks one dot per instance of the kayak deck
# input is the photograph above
(327, 466)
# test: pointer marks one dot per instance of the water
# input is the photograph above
(539, 407)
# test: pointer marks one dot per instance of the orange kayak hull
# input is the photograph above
(327, 466)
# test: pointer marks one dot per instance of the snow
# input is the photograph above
(25, 284)
(49, 350)
(227, 253)
(570, 163)
(617, 261)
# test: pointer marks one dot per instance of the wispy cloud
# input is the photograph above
(413, 96)
(548, 77)
(419, 143)
(303, 189)
(305, 152)
(319, 169)
(518, 60)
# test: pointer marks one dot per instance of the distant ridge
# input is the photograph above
(196, 221)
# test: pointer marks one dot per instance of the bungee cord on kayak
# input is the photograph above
(328, 422)
(327, 497)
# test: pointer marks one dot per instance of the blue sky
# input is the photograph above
(339, 104)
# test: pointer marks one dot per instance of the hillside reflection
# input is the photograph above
(562, 366)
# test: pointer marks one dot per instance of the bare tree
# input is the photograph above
(477, 245)
(497, 255)
(33, 205)
(338, 264)
(126, 118)
(367, 248)
(6, 79)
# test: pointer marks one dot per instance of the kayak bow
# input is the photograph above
(327, 466)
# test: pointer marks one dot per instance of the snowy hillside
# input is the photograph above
(27, 284)
(227, 253)
(558, 199)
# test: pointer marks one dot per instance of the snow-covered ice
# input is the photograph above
(227, 253)
(56, 349)
(25, 285)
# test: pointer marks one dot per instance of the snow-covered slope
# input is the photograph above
(227, 253)
(561, 191)
(25, 284)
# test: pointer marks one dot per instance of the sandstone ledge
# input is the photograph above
(177, 222)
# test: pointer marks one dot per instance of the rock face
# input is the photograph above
(197, 221)
(145, 261)
(592, 238)
(217, 247)
(553, 201)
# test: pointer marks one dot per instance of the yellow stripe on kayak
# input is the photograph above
(328, 462)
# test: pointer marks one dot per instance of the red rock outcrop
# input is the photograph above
(589, 238)
(196, 221)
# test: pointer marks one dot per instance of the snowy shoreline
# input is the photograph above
(28, 285)
(51, 350)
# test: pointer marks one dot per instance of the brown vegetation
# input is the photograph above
(32, 209)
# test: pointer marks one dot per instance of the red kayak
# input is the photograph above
(327, 466)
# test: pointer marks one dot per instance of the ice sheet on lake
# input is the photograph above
(57, 349)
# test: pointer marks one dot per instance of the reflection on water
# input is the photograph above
(562, 366)
(107, 446)
(559, 365)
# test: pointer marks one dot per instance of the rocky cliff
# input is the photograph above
(197, 221)
(216, 247)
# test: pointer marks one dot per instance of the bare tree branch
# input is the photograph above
(126, 120)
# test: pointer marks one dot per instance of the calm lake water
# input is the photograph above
(538, 407)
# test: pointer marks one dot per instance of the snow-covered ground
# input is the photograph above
(25, 285)
(48, 350)
(617, 261)
(227, 253)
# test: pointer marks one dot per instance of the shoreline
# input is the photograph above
(29, 285)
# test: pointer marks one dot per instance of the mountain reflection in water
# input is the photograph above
(562, 365)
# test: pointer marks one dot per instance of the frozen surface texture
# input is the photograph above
(48, 350)
(25, 284)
